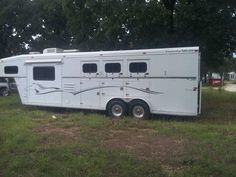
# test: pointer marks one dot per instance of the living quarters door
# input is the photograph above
(44, 84)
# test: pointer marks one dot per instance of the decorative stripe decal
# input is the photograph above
(94, 88)
(53, 91)
(41, 90)
(146, 91)
(43, 87)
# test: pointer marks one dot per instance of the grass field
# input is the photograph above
(37, 142)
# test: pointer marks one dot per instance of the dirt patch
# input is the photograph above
(143, 143)
(147, 144)
(53, 133)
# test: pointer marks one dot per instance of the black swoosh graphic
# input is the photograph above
(94, 88)
(89, 89)
(43, 87)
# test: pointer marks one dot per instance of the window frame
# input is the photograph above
(112, 63)
(43, 78)
(138, 62)
(83, 65)
(11, 68)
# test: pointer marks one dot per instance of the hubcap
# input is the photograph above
(138, 111)
(117, 110)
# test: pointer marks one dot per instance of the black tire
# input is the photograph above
(139, 109)
(116, 108)
(4, 92)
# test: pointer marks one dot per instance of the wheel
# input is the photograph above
(116, 108)
(4, 91)
(139, 109)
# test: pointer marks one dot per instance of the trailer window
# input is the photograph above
(44, 73)
(90, 68)
(138, 67)
(11, 69)
(112, 67)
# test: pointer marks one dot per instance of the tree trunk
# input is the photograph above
(170, 5)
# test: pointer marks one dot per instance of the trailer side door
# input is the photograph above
(89, 84)
(138, 81)
(44, 84)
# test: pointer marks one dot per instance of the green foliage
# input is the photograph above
(23, 153)
(208, 24)
(34, 144)
(51, 24)
(14, 30)
(115, 24)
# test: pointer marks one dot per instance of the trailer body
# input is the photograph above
(166, 80)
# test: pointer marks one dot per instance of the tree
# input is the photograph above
(170, 5)
(120, 24)
(208, 24)
(49, 26)
(14, 26)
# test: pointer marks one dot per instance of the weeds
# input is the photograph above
(72, 143)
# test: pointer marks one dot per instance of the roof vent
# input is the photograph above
(53, 50)
(58, 50)
(31, 53)
(71, 51)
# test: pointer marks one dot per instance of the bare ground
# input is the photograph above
(54, 134)
(146, 144)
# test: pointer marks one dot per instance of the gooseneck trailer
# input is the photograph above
(138, 82)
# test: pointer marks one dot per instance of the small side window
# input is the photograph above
(46, 73)
(112, 67)
(90, 68)
(11, 70)
(138, 67)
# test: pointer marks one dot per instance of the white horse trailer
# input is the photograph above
(138, 82)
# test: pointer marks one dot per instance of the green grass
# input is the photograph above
(32, 143)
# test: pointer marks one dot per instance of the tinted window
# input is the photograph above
(90, 68)
(11, 69)
(112, 67)
(44, 73)
(140, 67)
